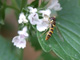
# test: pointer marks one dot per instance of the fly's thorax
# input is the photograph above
(52, 20)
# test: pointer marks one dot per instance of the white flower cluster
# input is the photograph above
(41, 23)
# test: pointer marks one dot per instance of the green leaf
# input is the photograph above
(2, 12)
(47, 56)
(23, 4)
(16, 4)
(33, 39)
(7, 52)
(43, 43)
(0, 3)
(1, 21)
(35, 3)
(34, 42)
(68, 22)
(43, 4)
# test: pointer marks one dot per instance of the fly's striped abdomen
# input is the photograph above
(50, 32)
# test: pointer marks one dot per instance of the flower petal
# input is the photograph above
(24, 28)
(55, 5)
(23, 31)
(33, 18)
(19, 21)
(45, 12)
(15, 39)
(22, 18)
(43, 26)
(32, 10)
(19, 42)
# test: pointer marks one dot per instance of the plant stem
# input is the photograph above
(21, 56)
(7, 6)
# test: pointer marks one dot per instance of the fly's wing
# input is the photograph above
(43, 33)
(59, 33)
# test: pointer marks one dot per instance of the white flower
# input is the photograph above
(32, 10)
(45, 12)
(23, 32)
(22, 18)
(44, 22)
(55, 5)
(33, 18)
(43, 25)
(19, 42)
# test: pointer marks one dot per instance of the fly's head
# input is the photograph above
(53, 18)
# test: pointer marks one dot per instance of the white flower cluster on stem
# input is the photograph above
(20, 40)
(33, 17)
(42, 24)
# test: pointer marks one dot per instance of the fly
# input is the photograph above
(52, 25)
